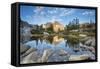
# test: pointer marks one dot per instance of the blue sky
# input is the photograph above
(41, 15)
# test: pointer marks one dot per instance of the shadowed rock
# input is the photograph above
(63, 52)
(92, 49)
(28, 52)
(30, 58)
(23, 48)
(90, 42)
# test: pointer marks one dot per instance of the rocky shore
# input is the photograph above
(88, 43)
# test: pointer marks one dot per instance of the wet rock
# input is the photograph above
(92, 49)
(28, 52)
(84, 39)
(62, 52)
(30, 58)
(93, 42)
(46, 54)
(23, 48)
(79, 57)
(90, 42)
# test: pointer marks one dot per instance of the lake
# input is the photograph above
(58, 49)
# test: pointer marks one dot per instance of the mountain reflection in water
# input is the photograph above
(60, 47)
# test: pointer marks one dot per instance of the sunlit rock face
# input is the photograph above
(57, 26)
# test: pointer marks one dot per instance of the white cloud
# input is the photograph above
(42, 13)
(88, 13)
(38, 9)
(50, 12)
(67, 12)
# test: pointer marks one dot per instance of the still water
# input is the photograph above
(61, 47)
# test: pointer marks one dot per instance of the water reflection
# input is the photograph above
(54, 40)
(55, 48)
(55, 43)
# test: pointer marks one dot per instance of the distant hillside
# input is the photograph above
(25, 29)
(24, 24)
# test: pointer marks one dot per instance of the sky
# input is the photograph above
(41, 15)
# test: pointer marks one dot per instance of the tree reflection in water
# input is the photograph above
(56, 48)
